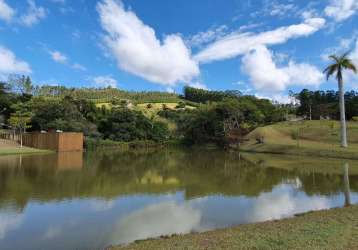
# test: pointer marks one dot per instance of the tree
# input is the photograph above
(21, 119)
(20, 84)
(341, 63)
(28, 87)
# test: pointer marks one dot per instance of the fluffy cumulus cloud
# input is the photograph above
(6, 12)
(237, 43)
(137, 49)
(33, 15)
(267, 77)
(105, 81)
(341, 10)
(9, 64)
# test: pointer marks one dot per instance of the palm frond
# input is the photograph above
(330, 70)
(348, 64)
(334, 57)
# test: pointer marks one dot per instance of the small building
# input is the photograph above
(59, 142)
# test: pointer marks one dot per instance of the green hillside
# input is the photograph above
(315, 138)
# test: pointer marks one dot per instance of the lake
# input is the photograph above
(95, 199)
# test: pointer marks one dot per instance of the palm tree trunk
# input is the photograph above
(342, 110)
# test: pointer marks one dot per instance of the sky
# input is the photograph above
(260, 47)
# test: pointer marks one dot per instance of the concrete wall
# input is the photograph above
(60, 142)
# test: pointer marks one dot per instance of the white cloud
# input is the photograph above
(59, 1)
(105, 81)
(78, 66)
(9, 222)
(237, 44)
(349, 77)
(198, 85)
(137, 50)
(6, 12)
(102, 205)
(9, 64)
(279, 98)
(58, 57)
(34, 14)
(205, 37)
(282, 9)
(156, 220)
(341, 10)
(281, 203)
(267, 77)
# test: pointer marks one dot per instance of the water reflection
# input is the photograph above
(53, 201)
(347, 192)
(9, 221)
(158, 219)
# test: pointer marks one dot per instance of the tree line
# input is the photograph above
(319, 104)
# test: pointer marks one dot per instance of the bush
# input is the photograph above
(355, 118)
(180, 105)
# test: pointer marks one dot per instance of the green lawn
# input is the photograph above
(24, 150)
(312, 138)
(331, 229)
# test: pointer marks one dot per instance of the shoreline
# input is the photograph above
(335, 228)
(23, 151)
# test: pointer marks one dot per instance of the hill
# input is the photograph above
(311, 138)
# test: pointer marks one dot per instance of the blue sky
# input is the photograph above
(260, 47)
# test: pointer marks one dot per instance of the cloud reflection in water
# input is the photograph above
(155, 220)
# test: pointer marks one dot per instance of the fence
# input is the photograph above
(10, 139)
(60, 142)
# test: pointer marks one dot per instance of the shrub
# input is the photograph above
(180, 105)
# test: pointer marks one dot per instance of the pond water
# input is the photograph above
(96, 199)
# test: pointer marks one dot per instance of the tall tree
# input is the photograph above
(339, 64)
(21, 119)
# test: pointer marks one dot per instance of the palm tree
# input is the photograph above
(341, 63)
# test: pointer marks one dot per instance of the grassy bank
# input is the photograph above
(330, 229)
(302, 164)
(311, 138)
(24, 150)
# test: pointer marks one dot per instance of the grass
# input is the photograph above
(310, 138)
(302, 164)
(329, 229)
(23, 150)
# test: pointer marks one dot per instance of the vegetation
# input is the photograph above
(316, 105)
(104, 95)
(21, 119)
(330, 229)
(135, 119)
(341, 63)
(311, 138)
(203, 96)
(198, 117)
